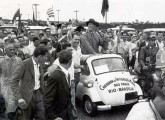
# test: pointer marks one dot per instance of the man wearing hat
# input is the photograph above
(147, 60)
(91, 40)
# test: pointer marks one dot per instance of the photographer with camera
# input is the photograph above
(147, 59)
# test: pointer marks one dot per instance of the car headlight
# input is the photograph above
(88, 83)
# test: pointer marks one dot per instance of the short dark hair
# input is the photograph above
(124, 33)
(40, 51)
(80, 28)
(52, 23)
(65, 45)
(65, 56)
(75, 33)
(44, 41)
(35, 38)
(31, 32)
(59, 26)
(159, 32)
(47, 29)
(14, 32)
(41, 34)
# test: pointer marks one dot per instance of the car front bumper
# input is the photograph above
(103, 107)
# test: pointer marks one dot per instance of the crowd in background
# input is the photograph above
(16, 48)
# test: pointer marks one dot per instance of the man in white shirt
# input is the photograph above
(31, 36)
(122, 45)
(52, 27)
(23, 47)
(160, 40)
(77, 56)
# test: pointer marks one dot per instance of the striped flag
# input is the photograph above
(50, 12)
(105, 7)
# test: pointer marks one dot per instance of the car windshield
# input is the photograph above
(105, 65)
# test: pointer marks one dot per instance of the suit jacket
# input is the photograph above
(1, 52)
(148, 56)
(90, 43)
(140, 45)
(23, 81)
(57, 98)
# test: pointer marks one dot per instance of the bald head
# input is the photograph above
(10, 50)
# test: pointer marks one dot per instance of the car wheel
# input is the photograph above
(90, 107)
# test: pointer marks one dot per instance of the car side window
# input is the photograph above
(85, 70)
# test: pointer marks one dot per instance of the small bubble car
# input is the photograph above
(106, 82)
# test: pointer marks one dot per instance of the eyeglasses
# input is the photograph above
(12, 50)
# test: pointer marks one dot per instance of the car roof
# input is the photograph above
(154, 30)
(72, 27)
(99, 56)
(9, 26)
(123, 28)
(37, 27)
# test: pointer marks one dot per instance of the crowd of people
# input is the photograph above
(40, 72)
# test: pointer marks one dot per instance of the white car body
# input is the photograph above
(36, 29)
(124, 28)
(154, 30)
(107, 87)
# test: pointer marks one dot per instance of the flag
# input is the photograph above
(20, 25)
(34, 22)
(50, 12)
(105, 7)
(17, 14)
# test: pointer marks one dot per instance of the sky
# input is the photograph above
(119, 10)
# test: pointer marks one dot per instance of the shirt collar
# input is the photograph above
(34, 62)
(8, 58)
(64, 70)
(78, 48)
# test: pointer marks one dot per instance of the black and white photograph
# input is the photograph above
(82, 60)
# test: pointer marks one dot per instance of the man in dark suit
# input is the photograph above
(57, 98)
(143, 41)
(27, 84)
(2, 47)
(147, 60)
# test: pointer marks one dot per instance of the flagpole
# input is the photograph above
(105, 16)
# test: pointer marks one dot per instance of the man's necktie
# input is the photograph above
(69, 82)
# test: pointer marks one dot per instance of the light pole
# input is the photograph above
(76, 14)
(38, 15)
(58, 15)
(35, 5)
